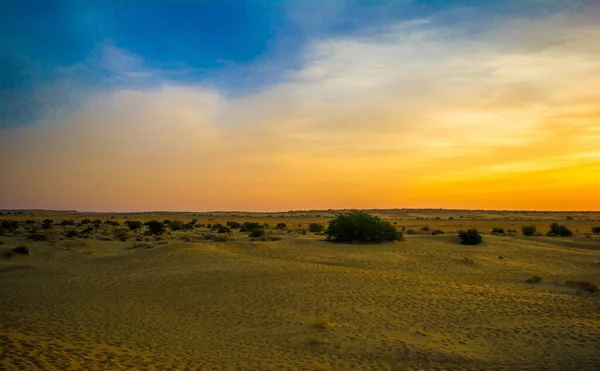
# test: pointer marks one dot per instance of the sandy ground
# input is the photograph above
(245, 305)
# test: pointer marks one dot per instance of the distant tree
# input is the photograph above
(469, 237)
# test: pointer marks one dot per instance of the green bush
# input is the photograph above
(498, 231)
(155, 227)
(469, 237)
(234, 225)
(133, 224)
(361, 226)
(529, 230)
(316, 228)
(411, 231)
(72, 233)
(255, 233)
(425, 229)
(250, 226)
(559, 230)
(435, 232)
(281, 226)
(175, 225)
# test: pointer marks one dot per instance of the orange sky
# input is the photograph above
(395, 120)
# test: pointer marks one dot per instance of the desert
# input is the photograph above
(291, 300)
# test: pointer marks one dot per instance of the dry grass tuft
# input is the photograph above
(534, 279)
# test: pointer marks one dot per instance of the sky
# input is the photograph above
(286, 105)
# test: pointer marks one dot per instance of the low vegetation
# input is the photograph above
(557, 230)
(155, 227)
(361, 226)
(498, 231)
(316, 228)
(469, 237)
(534, 279)
(596, 230)
(529, 230)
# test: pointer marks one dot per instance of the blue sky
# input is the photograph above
(54, 51)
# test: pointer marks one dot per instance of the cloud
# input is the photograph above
(416, 115)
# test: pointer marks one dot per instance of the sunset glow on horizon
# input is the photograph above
(290, 105)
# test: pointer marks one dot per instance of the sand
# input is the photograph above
(300, 304)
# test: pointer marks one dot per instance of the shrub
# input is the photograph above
(316, 228)
(281, 226)
(86, 221)
(435, 232)
(72, 233)
(425, 229)
(176, 225)
(257, 233)
(469, 237)
(65, 223)
(9, 225)
(23, 250)
(411, 231)
(596, 230)
(361, 226)
(122, 234)
(250, 226)
(234, 225)
(114, 223)
(529, 230)
(498, 231)
(133, 224)
(534, 279)
(223, 229)
(559, 230)
(155, 227)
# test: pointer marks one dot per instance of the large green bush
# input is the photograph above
(361, 226)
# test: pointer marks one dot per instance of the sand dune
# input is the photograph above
(244, 305)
